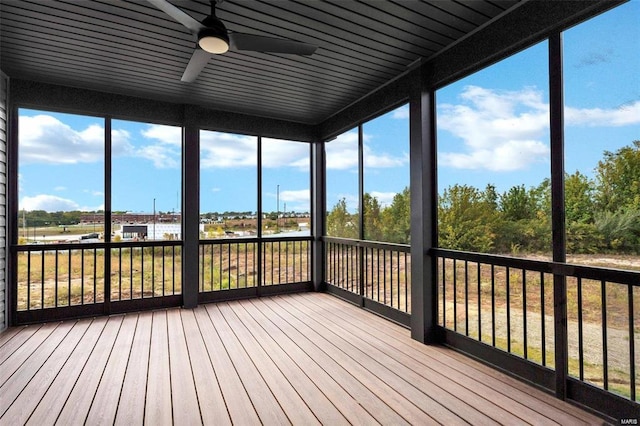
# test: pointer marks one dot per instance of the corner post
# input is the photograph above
(190, 214)
(423, 187)
(318, 210)
(556, 117)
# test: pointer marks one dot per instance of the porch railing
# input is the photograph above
(508, 304)
(369, 271)
(81, 279)
(251, 263)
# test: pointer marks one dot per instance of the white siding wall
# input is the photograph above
(3, 200)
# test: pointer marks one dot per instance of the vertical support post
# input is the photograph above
(556, 111)
(318, 213)
(424, 190)
(259, 244)
(107, 215)
(361, 222)
(12, 210)
(190, 214)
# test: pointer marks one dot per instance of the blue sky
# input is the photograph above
(492, 128)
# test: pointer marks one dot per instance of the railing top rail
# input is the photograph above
(618, 276)
(365, 243)
(253, 239)
(91, 246)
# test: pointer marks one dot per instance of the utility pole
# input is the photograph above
(278, 212)
(154, 218)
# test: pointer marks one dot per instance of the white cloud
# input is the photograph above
(169, 135)
(625, 115)
(224, 150)
(278, 153)
(296, 196)
(508, 130)
(162, 157)
(296, 200)
(60, 188)
(50, 203)
(384, 198)
(342, 154)
(216, 189)
(501, 130)
(401, 113)
(45, 139)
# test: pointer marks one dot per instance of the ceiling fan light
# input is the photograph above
(213, 43)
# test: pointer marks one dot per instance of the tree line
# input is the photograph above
(601, 214)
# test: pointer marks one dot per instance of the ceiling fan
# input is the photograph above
(215, 39)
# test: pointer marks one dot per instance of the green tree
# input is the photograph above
(396, 218)
(618, 179)
(340, 223)
(465, 219)
(578, 195)
(372, 218)
(517, 204)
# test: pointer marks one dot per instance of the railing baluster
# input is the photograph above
(479, 303)
(455, 296)
(543, 322)
(56, 279)
(605, 363)
(493, 306)
(580, 331)
(95, 261)
(466, 297)
(632, 348)
(444, 292)
(42, 279)
(384, 275)
(524, 312)
(508, 280)
(142, 272)
(81, 276)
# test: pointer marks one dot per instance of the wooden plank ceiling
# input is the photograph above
(130, 47)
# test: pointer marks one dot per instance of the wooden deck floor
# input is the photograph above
(298, 359)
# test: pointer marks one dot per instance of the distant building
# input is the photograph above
(152, 231)
(132, 218)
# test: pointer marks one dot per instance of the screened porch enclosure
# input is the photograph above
(308, 243)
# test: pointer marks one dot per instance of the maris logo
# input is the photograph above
(628, 421)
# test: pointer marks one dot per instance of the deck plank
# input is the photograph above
(267, 406)
(12, 338)
(78, 402)
(14, 356)
(47, 409)
(158, 409)
(12, 387)
(241, 409)
(474, 371)
(292, 359)
(374, 395)
(105, 402)
(134, 388)
(350, 408)
(210, 397)
(37, 386)
(186, 409)
(324, 410)
(295, 408)
(429, 374)
(446, 408)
